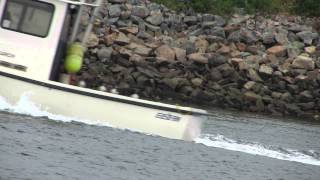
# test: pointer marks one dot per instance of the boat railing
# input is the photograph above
(95, 7)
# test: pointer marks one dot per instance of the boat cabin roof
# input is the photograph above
(80, 2)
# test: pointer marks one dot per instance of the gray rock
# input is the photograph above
(197, 82)
(215, 75)
(155, 18)
(216, 31)
(225, 69)
(251, 96)
(282, 36)
(265, 69)
(117, 1)
(302, 62)
(234, 36)
(114, 10)
(198, 57)
(216, 60)
(190, 20)
(248, 36)
(104, 54)
(268, 37)
(140, 11)
(220, 21)
(254, 76)
(307, 36)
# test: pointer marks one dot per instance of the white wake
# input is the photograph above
(27, 107)
(219, 141)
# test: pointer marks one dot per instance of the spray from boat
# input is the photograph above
(27, 107)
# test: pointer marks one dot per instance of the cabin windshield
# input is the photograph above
(29, 17)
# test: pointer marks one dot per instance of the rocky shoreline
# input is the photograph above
(250, 63)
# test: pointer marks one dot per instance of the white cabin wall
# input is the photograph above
(36, 53)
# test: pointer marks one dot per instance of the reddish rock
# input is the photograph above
(165, 52)
(277, 51)
(224, 50)
(241, 46)
(198, 57)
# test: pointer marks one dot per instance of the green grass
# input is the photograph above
(225, 7)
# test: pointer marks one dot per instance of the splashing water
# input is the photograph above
(219, 141)
(27, 107)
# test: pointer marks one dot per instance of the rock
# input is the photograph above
(268, 37)
(265, 69)
(165, 52)
(248, 36)
(225, 69)
(216, 31)
(155, 18)
(307, 36)
(254, 76)
(216, 60)
(310, 49)
(139, 49)
(294, 49)
(282, 36)
(220, 21)
(92, 41)
(224, 50)
(190, 20)
(215, 75)
(234, 36)
(198, 57)
(136, 58)
(302, 62)
(122, 39)
(249, 85)
(181, 54)
(201, 45)
(172, 82)
(132, 30)
(114, 10)
(140, 11)
(251, 96)
(279, 51)
(306, 96)
(197, 82)
(118, 1)
(104, 53)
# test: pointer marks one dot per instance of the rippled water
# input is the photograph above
(232, 146)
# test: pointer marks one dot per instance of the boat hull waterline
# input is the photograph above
(121, 112)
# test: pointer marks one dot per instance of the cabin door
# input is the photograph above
(29, 35)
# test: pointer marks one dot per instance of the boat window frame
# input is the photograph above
(26, 4)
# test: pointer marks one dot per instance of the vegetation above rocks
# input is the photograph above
(223, 7)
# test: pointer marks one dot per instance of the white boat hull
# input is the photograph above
(118, 111)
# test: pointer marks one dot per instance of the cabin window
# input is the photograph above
(30, 17)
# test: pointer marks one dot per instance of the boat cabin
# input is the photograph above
(34, 35)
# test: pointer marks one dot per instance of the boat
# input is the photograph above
(34, 42)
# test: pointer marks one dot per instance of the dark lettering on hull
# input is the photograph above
(168, 117)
